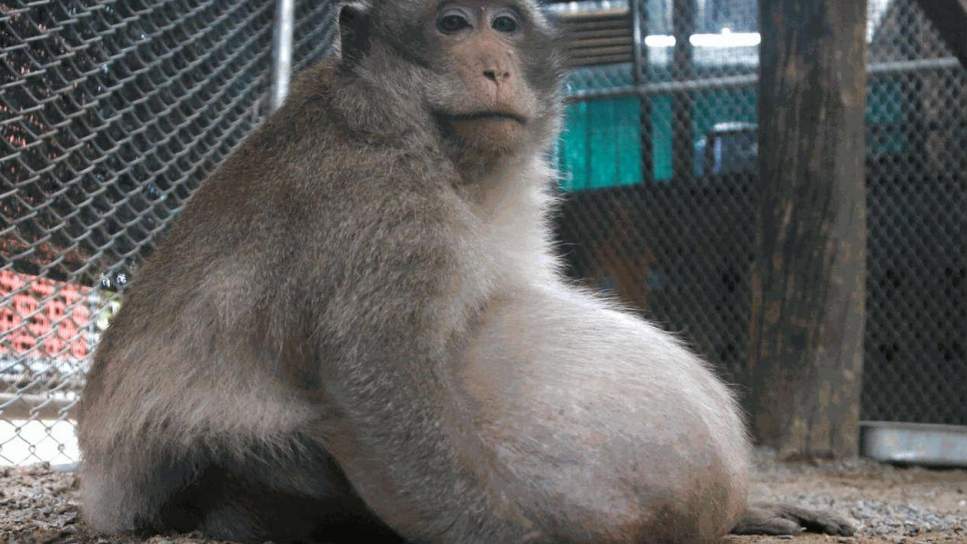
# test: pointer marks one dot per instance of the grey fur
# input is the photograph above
(358, 320)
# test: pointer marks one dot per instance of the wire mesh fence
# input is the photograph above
(112, 112)
(661, 155)
(917, 289)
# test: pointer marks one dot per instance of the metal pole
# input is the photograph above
(638, 40)
(282, 51)
(663, 87)
(638, 24)
(684, 16)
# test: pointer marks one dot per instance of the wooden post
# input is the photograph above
(808, 283)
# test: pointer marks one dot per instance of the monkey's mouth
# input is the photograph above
(487, 115)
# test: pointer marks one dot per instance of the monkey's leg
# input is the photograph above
(293, 491)
(233, 507)
(783, 519)
(244, 493)
(239, 508)
(128, 492)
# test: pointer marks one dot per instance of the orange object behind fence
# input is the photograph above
(42, 318)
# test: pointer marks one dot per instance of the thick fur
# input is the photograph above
(358, 321)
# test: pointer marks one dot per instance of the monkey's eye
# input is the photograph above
(452, 22)
(505, 24)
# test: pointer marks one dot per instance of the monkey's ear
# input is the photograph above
(354, 23)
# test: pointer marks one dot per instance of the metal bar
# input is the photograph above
(915, 443)
(639, 26)
(942, 63)
(20, 406)
(637, 41)
(684, 16)
(878, 69)
(282, 51)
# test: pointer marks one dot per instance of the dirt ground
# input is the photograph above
(890, 505)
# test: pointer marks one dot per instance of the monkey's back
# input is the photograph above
(211, 353)
(259, 246)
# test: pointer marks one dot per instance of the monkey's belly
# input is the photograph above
(604, 419)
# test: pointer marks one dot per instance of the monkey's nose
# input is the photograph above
(497, 76)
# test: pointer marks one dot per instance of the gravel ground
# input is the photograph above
(890, 505)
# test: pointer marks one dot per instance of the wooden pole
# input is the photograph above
(808, 283)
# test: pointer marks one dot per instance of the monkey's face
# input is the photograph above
(497, 73)
(490, 91)
(491, 70)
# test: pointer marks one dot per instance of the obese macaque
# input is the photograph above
(357, 326)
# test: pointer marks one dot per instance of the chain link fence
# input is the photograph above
(112, 112)
(661, 156)
(917, 202)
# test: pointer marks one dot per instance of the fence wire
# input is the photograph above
(662, 188)
(916, 365)
(112, 112)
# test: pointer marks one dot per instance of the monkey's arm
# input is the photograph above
(396, 297)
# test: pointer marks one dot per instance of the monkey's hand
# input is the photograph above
(783, 519)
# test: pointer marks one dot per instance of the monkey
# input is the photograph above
(357, 325)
